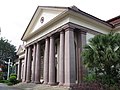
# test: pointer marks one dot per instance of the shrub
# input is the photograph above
(13, 74)
(90, 78)
(1, 75)
(102, 57)
(12, 79)
(2, 81)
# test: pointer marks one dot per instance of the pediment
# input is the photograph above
(21, 49)
(41, 17)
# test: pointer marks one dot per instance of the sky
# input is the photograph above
(16, 14)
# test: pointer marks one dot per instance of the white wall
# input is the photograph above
(48, 15)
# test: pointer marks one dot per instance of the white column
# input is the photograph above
(70, 73)
(19, 70)
(34, 61)
(8, 73)
(28, 77)
(46, 62)
(25, 66)
(52, 61)
(61, 59)
(37, 65)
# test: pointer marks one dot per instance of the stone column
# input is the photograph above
(37, 64)
(52, 61)
(61, 59)
(34, 61)
(57, 61)
(25, 65)
(81, 41)
(19, 70)
(46, 62)
(70, 73)
(28, 77)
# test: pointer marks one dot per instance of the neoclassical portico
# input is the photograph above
(55, 38)
(67, 59)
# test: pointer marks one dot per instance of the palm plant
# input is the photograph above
(102, 57)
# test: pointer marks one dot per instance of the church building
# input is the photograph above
(54, 40)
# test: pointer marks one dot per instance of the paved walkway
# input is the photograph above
(5, 87)
(47, 87)
(25, 86)
(32, 86)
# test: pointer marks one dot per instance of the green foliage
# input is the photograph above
(13, 74)
(102, 56)
(9, 83)
(12, 79)
(1, 75)
(90, 78)
(4, 81)
(7, 50)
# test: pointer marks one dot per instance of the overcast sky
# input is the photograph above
(16, 14)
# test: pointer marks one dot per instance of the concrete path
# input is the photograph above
(5, 87)
(47, 87)
(32, 86)
(25, 86)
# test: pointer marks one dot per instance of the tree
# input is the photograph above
(102, 58)
(7, 50)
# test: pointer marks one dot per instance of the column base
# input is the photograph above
(61, 84)
(27, 81)
(45, 83)
(37, 82)
(32, 81)
(69, 84)
(23, 80)
(51, 83)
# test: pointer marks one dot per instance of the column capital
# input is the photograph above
(52, 36)
(70, 29)
(47, 38)
(62, 32)
(82, 32)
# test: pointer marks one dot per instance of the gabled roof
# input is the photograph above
(21, 49)
(115, 21)
(74, 9)
(54, 7)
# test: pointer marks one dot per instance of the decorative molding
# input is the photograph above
(64, 27)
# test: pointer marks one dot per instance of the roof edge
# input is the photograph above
(74, 8)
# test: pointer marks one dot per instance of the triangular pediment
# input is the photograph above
(41, 17)
(21, 49)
